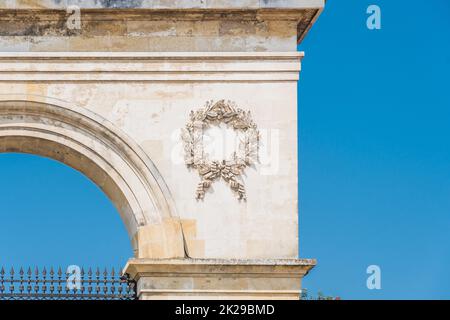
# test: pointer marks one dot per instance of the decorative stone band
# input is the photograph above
(150, 66)
(218, 278)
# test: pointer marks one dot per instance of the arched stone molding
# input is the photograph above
(92, 145)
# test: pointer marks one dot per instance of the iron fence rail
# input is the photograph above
(59, 285)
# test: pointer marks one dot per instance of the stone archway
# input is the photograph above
(90, 144)
(155, 62)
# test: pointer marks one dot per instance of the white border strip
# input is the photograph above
(150, 66)
(152, 55)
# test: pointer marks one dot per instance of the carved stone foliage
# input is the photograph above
(230, 170)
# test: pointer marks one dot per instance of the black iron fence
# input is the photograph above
(72, 284)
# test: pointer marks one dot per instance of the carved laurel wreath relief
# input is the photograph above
(230, 169)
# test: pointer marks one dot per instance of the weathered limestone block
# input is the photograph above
(159, 240)
(215, 279)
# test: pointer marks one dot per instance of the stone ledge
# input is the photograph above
(222, 266)
(221, 262)
(218, 278)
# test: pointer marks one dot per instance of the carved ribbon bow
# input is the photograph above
(218, 169)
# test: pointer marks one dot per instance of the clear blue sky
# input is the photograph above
(374, 149)
(374, 172)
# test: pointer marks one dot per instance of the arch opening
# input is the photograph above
(53, 215)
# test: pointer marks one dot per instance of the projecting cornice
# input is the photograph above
(163, 4)
(302, 12)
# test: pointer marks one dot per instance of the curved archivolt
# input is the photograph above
(93, 146)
